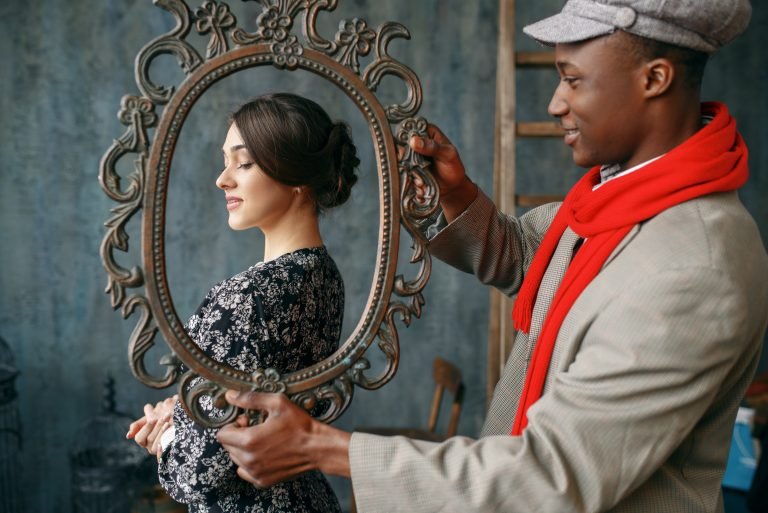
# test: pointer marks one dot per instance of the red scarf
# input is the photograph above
(713, 160)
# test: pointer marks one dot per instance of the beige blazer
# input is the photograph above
(648, 370)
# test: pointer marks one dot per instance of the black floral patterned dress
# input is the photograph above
(286, 314)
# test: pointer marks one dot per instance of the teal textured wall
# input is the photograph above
(65, 67)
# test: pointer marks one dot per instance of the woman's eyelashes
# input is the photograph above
(240, 165)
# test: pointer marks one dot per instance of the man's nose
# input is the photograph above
(558, 107)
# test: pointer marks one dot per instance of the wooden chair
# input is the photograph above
(447, 377)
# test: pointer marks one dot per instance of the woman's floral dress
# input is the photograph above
(287, 314)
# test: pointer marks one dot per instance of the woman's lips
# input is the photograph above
(233, 203)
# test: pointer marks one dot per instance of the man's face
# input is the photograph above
(599, 101)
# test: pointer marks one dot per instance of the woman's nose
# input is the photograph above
(224, 181)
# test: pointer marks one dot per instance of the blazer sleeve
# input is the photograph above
(194, 467)
(489, 244)
(650, 365)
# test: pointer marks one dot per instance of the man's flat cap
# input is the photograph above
(703, 25)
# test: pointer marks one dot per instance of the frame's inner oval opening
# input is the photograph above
(202, 250)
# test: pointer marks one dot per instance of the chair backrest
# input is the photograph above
(447, 378)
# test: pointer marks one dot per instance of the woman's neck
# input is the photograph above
(296, 231)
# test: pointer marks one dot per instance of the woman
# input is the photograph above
(285, 161)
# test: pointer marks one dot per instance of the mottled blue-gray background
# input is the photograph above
(65, 67)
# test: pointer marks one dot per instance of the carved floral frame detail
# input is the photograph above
(230, 49)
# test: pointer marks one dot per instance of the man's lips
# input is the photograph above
(571, 133)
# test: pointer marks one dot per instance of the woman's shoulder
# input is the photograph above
(287, 274)
(294, 264)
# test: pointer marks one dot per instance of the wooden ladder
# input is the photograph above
(501, 333)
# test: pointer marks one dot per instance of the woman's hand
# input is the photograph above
(147, 430)
(456, 190)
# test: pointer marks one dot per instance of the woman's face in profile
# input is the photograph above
(252, 197)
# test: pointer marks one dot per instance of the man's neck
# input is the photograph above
(669, 123)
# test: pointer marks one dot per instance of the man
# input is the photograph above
(641, 300)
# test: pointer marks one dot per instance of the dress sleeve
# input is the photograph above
(493, 246)
(194, 467)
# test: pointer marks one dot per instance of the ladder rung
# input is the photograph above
(535, 59)
(539, 129)
(535, 201)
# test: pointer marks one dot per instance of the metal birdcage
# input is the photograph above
(10, 434)
(107, 469)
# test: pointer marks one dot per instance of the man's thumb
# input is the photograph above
(251, 400)
(431, 148)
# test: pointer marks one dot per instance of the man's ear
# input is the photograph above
(658, 76)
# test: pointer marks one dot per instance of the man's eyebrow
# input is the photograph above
(563, 64)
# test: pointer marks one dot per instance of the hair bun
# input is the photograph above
(295, 142)
(344, 161)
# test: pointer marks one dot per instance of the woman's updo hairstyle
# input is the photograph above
(294, 141)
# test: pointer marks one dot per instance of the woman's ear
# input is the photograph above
(301, 196)
(658, 76)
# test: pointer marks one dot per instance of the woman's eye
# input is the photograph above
(245, 165)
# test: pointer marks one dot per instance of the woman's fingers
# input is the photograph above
(164, 409)
(156, 447)
(150, 412)
(147, 430)
(149, 435)
(142, 436)
(135, 426)
(155, 434)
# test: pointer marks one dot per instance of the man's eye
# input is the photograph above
(570, 80)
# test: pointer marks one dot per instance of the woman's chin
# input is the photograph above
(236, 225)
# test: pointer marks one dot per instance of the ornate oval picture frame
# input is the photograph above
(271, 44)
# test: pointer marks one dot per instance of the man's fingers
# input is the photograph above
(432, 148)
(245, 476)
(232, 435)
(262, 482)
(254, 400)
(271, 479)
(436, 134)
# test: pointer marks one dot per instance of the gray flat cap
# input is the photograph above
(703, 25)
